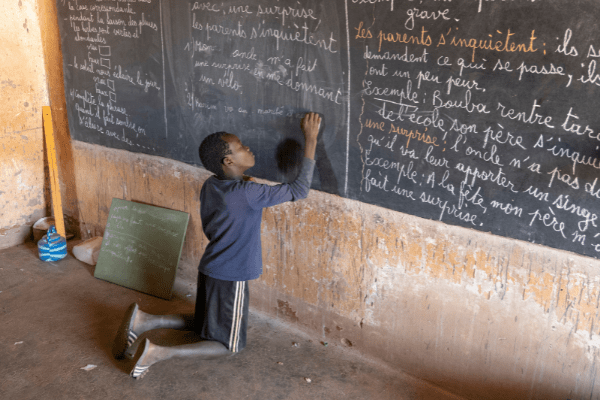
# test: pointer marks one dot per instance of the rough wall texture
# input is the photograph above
(483, 315)
(103, 174)
(23, 92)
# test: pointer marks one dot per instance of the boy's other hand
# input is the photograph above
(310, 126)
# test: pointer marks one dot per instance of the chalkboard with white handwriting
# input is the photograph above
(477, 113)
(141, 247)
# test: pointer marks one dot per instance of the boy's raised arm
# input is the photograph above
(310, 127)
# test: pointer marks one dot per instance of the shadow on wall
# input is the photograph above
(289, 155)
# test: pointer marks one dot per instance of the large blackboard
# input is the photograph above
(476, 113)
(141, 247)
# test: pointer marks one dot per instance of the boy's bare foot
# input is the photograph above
(126, 336)
(149, 354)
(140, 368)
(146, 355)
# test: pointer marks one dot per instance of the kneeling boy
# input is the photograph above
(231, 212)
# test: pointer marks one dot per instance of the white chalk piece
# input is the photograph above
(89, 367)
(88, 250)
(16, 343)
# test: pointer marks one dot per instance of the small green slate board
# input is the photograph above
(141, 247)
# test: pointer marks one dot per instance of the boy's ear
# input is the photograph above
(227, 161)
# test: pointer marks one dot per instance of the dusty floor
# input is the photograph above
(56, 319)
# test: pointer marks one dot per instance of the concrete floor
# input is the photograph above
(56, 319)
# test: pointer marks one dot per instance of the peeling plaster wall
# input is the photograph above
(479, 314)
(23, 92)
(485, 316)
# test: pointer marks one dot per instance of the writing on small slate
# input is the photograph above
(126, 228)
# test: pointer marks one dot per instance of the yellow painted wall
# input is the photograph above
(482, 315)
(23, 92)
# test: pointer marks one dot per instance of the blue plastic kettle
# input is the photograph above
(52, 247)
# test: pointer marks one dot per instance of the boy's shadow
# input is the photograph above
(290, 152)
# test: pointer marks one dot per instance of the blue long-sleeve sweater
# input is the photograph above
(231, 212)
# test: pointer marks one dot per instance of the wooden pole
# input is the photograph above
(54, 181)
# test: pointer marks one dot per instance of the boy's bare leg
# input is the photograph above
(148, 354)
(135, 322)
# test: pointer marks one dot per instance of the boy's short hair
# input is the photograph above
(212, 151)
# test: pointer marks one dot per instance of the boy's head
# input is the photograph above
(213, 150)
(224, 155)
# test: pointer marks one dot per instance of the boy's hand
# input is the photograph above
(310, 127)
